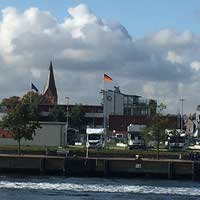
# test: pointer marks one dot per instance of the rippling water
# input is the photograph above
(49, 188)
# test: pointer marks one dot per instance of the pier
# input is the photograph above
(107, 167)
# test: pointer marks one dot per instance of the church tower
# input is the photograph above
(50, 96)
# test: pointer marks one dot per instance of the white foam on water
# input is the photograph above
(192, 191)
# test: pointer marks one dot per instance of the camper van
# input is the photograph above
(95, 138)
(135, 139)
(176, 140)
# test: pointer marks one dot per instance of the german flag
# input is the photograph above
(107, 78)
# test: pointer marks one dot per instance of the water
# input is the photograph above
(56, 188)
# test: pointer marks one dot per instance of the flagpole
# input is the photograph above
(31, 90)
(31, 87)
(107, 79)
(31, 94)
(104, 108)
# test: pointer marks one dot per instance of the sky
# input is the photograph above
(149, 47)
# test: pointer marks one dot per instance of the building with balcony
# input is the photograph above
(125, 107)
(117, 103)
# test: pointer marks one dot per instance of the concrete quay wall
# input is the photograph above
(107, 167)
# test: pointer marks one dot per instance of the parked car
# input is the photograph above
(62, 151)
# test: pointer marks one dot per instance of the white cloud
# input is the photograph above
(84, 46)
(149, 90)
(195, 65)
(171, 37)
(174, 57)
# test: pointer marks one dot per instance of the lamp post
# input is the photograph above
(182, 114)
(67, 121)
(87, 146)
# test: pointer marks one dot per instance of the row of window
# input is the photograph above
(131, 100)
(136, 111)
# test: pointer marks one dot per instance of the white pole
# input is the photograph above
(104, 109)
(105, 115)
(104, 106)
(87, 145)
(181, 114)
(30, 98)
(67, 122)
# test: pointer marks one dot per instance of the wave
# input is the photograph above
(105, 188)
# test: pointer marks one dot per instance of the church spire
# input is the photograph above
(50, 91)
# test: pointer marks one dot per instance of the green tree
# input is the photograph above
(155, 129)
(57, 114)
(22, 121)
(10, 102)
(77, 116)
(32, 98)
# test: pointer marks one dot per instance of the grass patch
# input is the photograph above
(81, 150)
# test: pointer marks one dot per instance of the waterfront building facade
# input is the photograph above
(124, 108)
(117, 103)
(196, 121)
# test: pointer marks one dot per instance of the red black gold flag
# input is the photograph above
(107, 78)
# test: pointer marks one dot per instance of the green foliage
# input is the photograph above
(77, 116)
(157, 125)
(32, 98)
(58, 114)
(21, 120)
(155, 130)
(10, 102)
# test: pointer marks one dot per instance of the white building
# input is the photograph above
(50, 134)
(197, 122)
(117, 103)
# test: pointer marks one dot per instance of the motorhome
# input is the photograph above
(135, 138)
(176, 139)
(95, 138)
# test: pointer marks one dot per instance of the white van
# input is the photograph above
(135, 138)
(95, 138)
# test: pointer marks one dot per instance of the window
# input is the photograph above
(127, 111)
(130, 100)
(94, 137)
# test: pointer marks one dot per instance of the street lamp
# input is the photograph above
(67, 121)
(182, 114)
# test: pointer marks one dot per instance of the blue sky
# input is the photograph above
(140, 17)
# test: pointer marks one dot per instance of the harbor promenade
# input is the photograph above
(107, 167)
